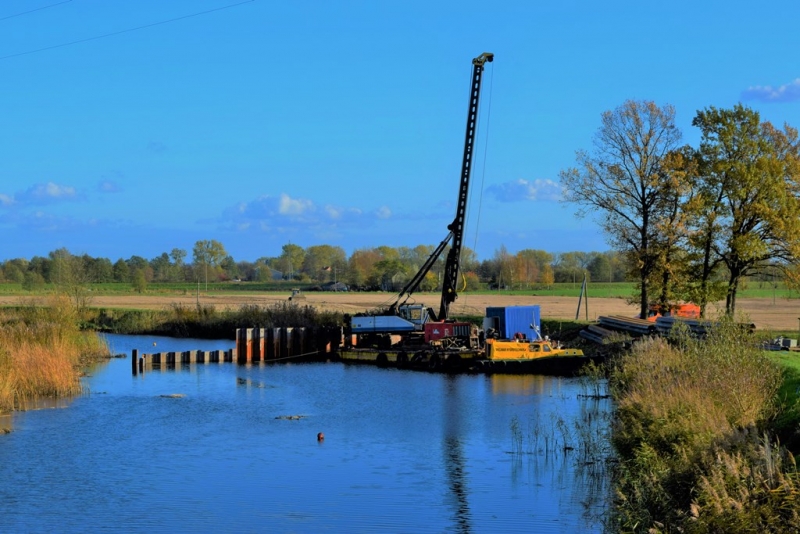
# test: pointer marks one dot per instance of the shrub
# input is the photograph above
(41, 351)
(684, 406)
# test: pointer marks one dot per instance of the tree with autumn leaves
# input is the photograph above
(692, 223)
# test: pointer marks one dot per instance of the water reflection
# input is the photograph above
(404, 452)
(6, 423)
(521, 384)
(454, 453)
(570, 449)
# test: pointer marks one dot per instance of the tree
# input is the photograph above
(324, 262)
(139, 281)
(360, 266)
(179, 270)
(622, 180)
(72, 277)
(526, 265)
(568, 267)
(121, 271)
(229, 267)
(505, 268)
(178, 256)
(14, 270)
(162, 267)
(208, 254)
(290, 260)
(600, 269)
(671, 276)
(388, 274)
(101, 270)
(748, 205)
(33, 281)
(546, 276)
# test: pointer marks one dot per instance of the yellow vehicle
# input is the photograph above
(524, 349)
(525, 356)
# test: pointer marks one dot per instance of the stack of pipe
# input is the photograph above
(630, 325)
(599, 334)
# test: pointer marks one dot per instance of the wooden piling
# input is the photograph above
(285, 337)
(258, 344)
(134, 361)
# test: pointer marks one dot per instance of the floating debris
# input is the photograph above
(290, 417)
(173, 396)
(252, 383)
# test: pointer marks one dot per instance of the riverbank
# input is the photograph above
(42, 353)
(773, 314)
(696, 437)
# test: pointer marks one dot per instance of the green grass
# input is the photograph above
(595, 290)
(787, 424)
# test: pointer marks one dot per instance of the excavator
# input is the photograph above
(414, 324)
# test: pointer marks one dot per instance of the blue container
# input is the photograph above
(510, 320)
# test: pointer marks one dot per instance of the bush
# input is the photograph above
(42, 351)
(687, 412)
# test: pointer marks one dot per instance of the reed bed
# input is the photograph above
(206, 322)
(692, 436)
(42, 351)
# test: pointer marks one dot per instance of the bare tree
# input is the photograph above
(622, 180)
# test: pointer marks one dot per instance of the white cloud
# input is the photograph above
(291, 206)
(523, 190)
(788, 92)
(333, 212)
(45, 193)
(284, 213)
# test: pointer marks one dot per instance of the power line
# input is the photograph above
(79, 41)
(34, 10)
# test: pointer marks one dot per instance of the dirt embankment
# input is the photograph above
(782, 314)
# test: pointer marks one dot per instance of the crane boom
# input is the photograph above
(412, 319)
(449, 294)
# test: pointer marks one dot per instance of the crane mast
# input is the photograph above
(411, 320)
(449, 293)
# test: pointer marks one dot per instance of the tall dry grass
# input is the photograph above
(41, 352)
(691, 435)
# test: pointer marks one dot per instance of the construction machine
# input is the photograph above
(413, 324)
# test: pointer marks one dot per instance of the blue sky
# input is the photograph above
(319, 122)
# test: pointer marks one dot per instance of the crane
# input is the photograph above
(456, 228)
(403, 317)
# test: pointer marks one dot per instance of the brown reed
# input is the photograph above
(42, 350)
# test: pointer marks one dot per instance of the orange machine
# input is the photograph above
(687, 310)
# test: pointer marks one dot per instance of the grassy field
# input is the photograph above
(623, 290)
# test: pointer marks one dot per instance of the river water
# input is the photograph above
(403, 451)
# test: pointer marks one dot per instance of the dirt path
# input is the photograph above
(782, 315)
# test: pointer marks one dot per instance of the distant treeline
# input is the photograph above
(382, 268)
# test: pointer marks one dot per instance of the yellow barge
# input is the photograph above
(498, 356)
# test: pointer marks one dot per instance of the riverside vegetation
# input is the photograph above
(697, 434)
(42, 352)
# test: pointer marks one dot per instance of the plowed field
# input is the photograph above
(783, 314)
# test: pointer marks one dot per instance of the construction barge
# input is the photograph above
(538, 357)
(508, 344)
